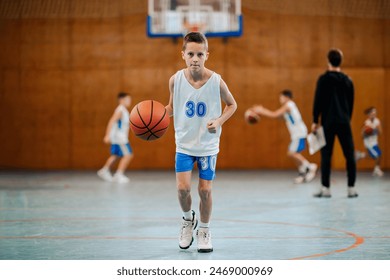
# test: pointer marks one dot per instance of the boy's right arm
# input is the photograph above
(169, 107)
(262, 111)
(114, 118)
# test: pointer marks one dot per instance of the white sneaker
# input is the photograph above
(311, 173)
(300, 179)
(323, 192)
(186, 232)
(352, 192)
(120, 178)
(105, 174)
(377, 172)
(203, 236)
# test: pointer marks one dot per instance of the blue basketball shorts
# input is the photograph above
(206, 165)
(374, 151)
(297, 145)
(121, 150)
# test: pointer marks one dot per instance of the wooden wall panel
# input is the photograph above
(10, 44)
(360, 39)
(10, 56)
(95, 43)
(386, 43)
(9, 84)
(59, 78)
(45, 31)
(96, 31)
(44, 56)
(259, 45)
(36, 120)
(299, 35)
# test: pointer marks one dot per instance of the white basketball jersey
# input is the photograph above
(294, 122)
(371, 140)
(192, 110)
(120, 130)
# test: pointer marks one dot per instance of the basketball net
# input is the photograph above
(195, 27)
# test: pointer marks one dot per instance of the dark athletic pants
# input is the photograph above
(344, 134)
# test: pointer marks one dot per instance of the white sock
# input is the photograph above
(187, 215)
(119, 172)
(204, 225)
(306, 164)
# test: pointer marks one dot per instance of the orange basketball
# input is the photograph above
(149, 120)
(251, 117)
(368, 130)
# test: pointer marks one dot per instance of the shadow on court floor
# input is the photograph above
(256, 215)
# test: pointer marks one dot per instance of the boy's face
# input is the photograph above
(125, 101)
(195, 56)
(283, 99)
(372, 114)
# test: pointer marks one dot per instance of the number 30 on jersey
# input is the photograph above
(193, 109)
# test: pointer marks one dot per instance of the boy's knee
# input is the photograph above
(204, 192)
(128, 156)
(183, 189)
(184, 192)
(290, 154)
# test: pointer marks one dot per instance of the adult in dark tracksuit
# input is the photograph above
(333, 102)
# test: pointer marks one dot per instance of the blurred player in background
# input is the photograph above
(371, 129)
(195, 104)
(117, 134)
(298, 132)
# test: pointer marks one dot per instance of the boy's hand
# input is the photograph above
(258, 109)
(213, 126)
(314, 127)
(106, 139)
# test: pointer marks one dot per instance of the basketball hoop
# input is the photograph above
(214, 18)
(195, 27)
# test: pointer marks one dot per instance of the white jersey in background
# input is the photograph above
(371, 140)
(294, 122)
(120, 130)
(192, 110)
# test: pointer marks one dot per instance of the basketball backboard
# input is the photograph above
(175, 18)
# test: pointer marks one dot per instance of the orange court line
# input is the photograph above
(358, 239)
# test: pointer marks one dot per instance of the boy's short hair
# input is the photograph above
(288, 93)
(195, 37)
(122, 95)
(369, 110)
(335, 57)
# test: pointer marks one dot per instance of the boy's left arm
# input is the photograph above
(229, 110)
(379, 128)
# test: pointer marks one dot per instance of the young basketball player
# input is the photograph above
(117, 133)
(195, 104)
(298, 133)
(372, 128)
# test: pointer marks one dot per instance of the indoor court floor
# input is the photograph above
(256, 215)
